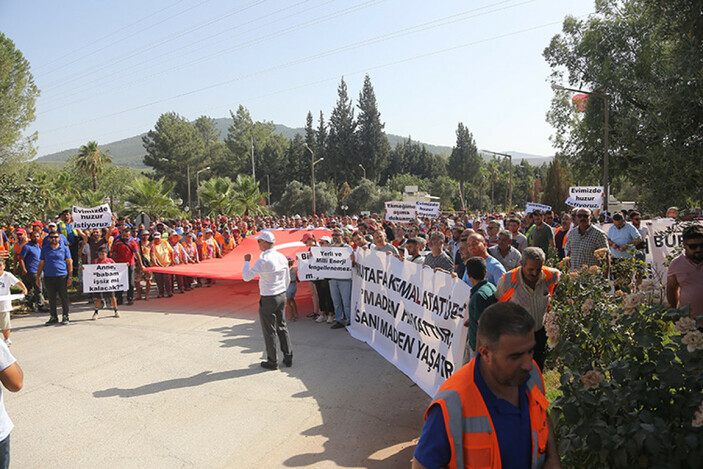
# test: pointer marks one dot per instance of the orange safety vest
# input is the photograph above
(227, 247)
(510, 281)
(470, 430)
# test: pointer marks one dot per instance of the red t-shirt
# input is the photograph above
(124, 252)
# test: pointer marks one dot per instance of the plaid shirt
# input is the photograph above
(581, 247)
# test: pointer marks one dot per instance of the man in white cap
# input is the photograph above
(274, 277)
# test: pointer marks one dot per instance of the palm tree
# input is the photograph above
(90, 160)
(216, 196)
(92, 198)
(152, 197)
(246, 198)
(61, 201)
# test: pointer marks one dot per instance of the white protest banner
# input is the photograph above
(410, 315)
(328, 262)
(531, 207)
(427, 209)
(661, 242)
(585, 197)
(98, 278)
(400, 212)
(11, 297)
(91, 218)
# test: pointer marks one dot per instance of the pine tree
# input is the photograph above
(556, 189)
(464, 161)
(374, 148)
(342, 148)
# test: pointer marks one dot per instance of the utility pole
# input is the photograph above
(253, 167)
(606, 99)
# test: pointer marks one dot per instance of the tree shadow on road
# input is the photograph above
(178, 383)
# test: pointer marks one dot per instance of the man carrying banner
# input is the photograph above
(492, 412)
(274, 277)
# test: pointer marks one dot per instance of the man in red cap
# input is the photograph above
(20, 241)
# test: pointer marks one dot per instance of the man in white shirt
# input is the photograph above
(274, 277)
(12, 379)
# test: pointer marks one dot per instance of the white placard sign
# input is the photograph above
(91, 218)
(585, 197)
(531, 207)
(427, 209)
(328, 262)
(400, 212)
(98, 278)
(410, 315)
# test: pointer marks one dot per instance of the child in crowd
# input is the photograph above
(98, 297)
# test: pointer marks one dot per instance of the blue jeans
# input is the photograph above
(341, 297)
(5, 453)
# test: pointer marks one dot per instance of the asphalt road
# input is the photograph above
(176, 382)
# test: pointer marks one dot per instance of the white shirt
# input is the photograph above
(6, 281)
(272, 270)
(6, 359)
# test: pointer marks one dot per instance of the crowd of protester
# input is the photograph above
(47, 256)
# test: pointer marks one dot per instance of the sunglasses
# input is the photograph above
(695, 246)
(463, 239)
(53, 237)
(581, 215)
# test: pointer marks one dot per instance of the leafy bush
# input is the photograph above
(631, 378)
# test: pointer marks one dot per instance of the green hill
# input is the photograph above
(130, 151)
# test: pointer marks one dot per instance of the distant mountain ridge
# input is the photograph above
(130, 151)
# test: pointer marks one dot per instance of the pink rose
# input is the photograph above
(592, 379)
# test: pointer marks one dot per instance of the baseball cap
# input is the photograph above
(327, 239)
(307, 236)
(266, 236)
(21, 231)
(37, 223)
(157, 235)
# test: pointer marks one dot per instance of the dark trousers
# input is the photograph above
(54, 286)
(130, 285)
(324, 295)
(164, 282)
(540, 348)
(273, 323)
(5, 453)
(35, 299)
(76, 258)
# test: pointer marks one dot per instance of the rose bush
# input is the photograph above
(630, 378)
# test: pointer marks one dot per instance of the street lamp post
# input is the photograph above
(510, 172)
(312, 159)
(190, 201)
(363, 169)
(197, 183)
(605, 98)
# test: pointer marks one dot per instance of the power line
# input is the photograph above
(385, 65)
(114, 62)
(462, 16)
(107, 36)
(151, 63)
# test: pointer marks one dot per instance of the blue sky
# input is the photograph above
(108, 69)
